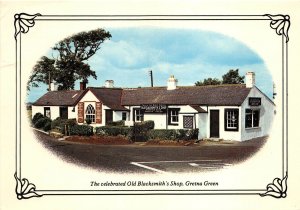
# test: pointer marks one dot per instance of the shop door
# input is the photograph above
(214, 124)
(63, 112)
(108, 116)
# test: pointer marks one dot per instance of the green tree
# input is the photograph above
(71, 61)
(208, 81)
(233, 77)
(41, 72)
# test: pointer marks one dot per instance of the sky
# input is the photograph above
(190, 55)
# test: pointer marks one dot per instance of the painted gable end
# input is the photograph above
(90, 99)
(266, 115)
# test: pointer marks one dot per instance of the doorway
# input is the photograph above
(108, 116)
(63, 112)
(214, 124)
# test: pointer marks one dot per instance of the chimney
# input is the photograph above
(109, 83)
(53, 86)
(250, 79)
(172, 83)
(82, 85)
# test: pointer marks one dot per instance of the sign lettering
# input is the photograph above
(254, 101)
(154, 108)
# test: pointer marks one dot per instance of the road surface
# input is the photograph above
(137, 158)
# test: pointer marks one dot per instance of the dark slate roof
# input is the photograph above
(60, 98)
(117, 98)
(229, 95)
(110, 97)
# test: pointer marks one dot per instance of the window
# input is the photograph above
(231, 119)
(90, 113)
(124, 116)
(47, 112)
(188, 122)
(139, 115)
(252, 118)
(173, 116)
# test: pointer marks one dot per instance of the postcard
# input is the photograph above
(158, 102)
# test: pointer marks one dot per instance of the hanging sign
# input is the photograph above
(254, 101)
(154, 108)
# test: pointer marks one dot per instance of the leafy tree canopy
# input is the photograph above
(231, 77)
(209, 81)
(70, 64)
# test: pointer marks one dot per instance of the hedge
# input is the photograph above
(81, 130)
(36, 117)
(173, 134)
(114, 131)
(144, 126)
(41, 122)
(116, 123)
(47, 126)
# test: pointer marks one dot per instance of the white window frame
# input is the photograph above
(231, 124)
(174, 113)
(252, 117)
(47, 112)
(90, 113)
(138, 114)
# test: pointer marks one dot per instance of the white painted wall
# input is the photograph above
(267, 109)
(226, 135)
(89, 96)
(54, 111)
(160, 121)
(37, 109)
(202, 122)
(71, 114)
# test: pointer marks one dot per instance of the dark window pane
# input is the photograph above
(123, 115)
(256, 118)
(248, 120)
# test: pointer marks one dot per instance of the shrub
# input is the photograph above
(71, 122)
(60, 124)
(163, 134)
(116, 123)
(36, 117)
(47, 126)
(114, 131)
(81, 130)
(40, 123)
(145, 125)
(88, 121)
(141, 129)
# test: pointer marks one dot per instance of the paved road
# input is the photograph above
(152, 159)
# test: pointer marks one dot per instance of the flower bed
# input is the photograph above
(96, 139)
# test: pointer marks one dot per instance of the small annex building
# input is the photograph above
(231, 112)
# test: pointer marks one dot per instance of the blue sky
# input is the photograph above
(189, 55)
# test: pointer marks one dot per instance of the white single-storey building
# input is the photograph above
(231, 112)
